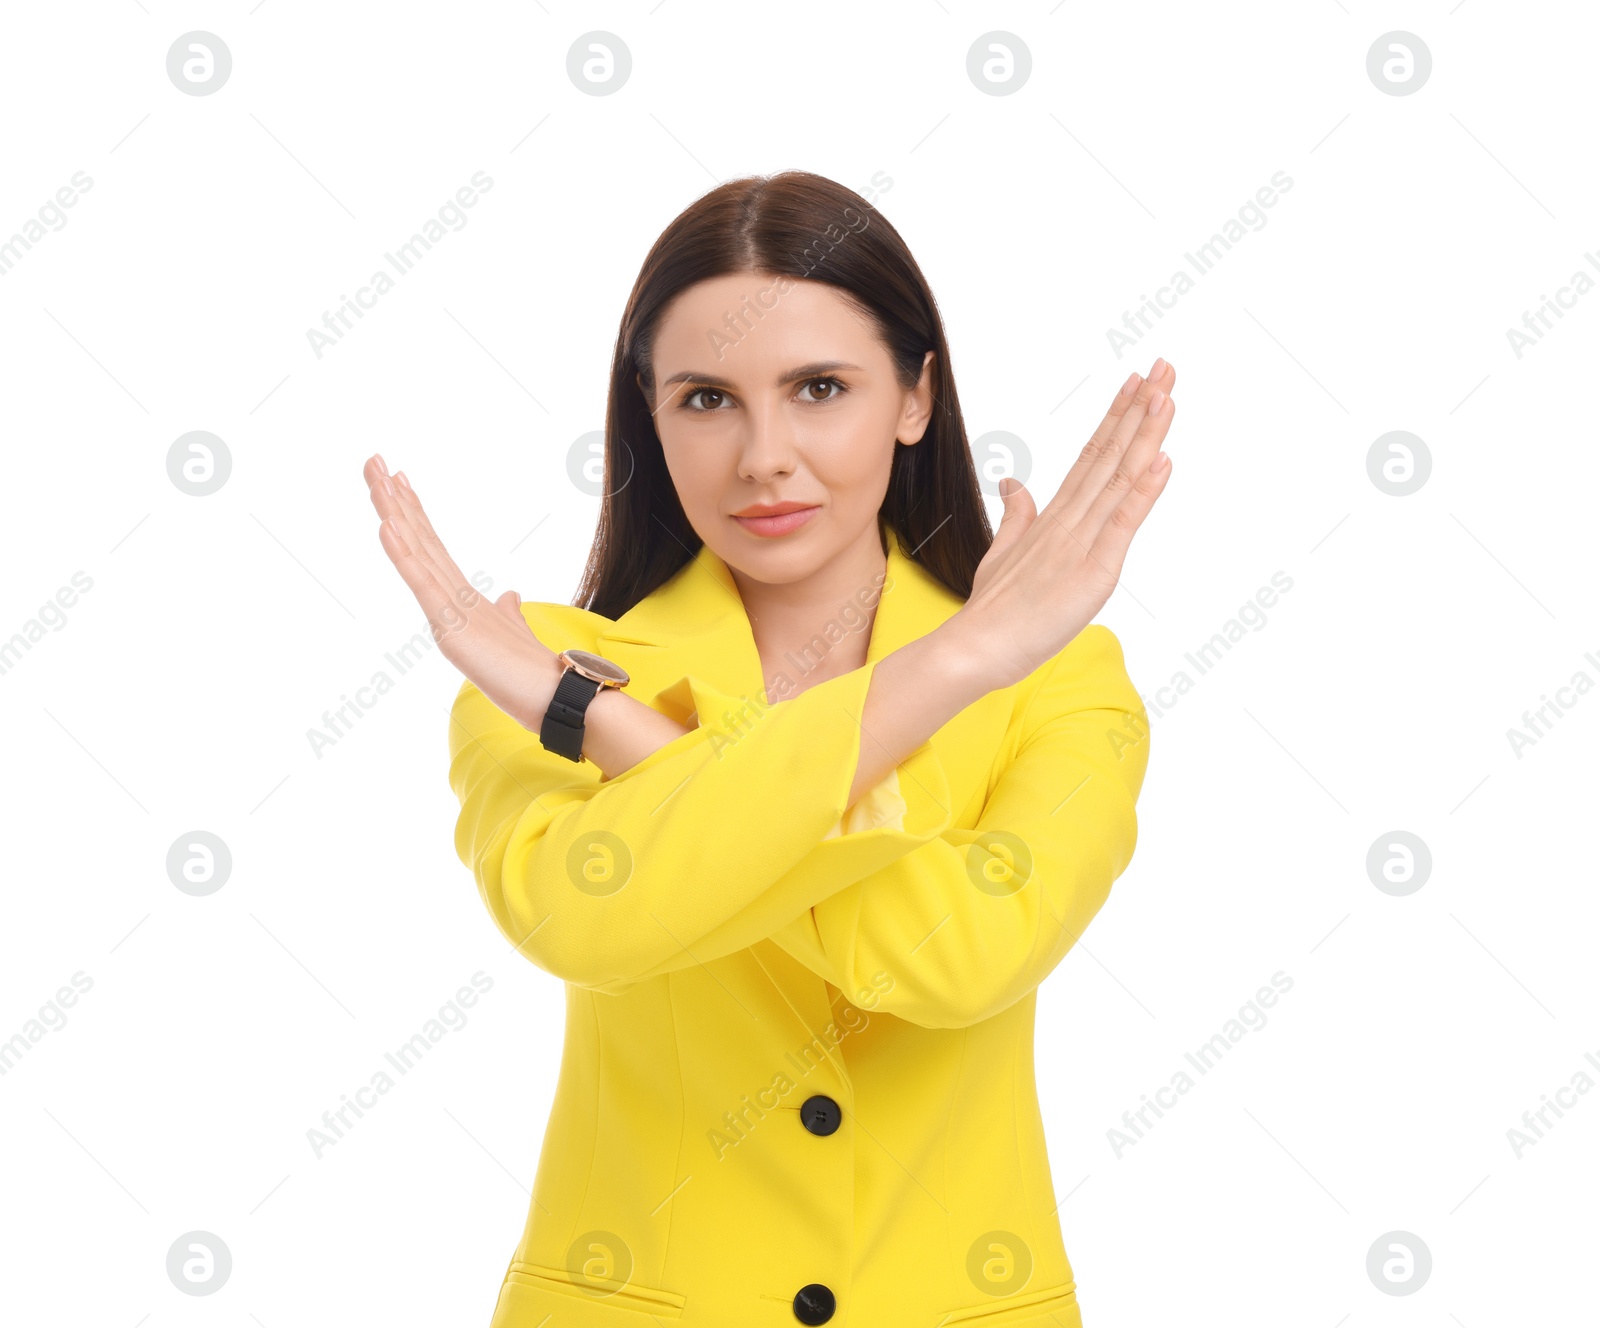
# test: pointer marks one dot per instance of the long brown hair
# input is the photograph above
(782, 224)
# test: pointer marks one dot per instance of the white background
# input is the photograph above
(179, 694)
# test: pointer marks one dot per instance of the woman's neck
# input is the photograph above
(818, 627)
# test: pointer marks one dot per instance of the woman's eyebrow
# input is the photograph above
(816, 369)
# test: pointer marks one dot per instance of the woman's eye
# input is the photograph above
(827, 382)
(701, 392)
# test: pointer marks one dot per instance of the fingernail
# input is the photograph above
(1161, 462)
(1131, 386)
(382, 464)
(1157, 400)
(401, 476)
(387, 487)
(1157, 367)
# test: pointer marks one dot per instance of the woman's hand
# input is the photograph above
(488, 640)
(1048, 573)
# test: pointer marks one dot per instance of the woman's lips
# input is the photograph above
(781, 524)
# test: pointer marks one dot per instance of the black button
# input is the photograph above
(813, 1303)
(820, 1115)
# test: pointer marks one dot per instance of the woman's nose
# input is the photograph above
(767, 447)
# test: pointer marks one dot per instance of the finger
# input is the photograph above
(385, 493)
(385, 496)
(429, 546)
(417, 574)
(1110, 546)
(510, 604)
(1141, 451)
(407, 544)
(1100, 455)
(1019, 514)
(1159, 383)
(1134, 392)
(379, 485)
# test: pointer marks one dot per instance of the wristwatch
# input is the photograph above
(586, 673)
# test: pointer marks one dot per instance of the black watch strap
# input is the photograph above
(562, 730)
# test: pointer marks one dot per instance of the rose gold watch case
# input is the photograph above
(595, 667)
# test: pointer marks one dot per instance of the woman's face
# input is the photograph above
(773, 391)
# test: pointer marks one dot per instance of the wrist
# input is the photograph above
(965, 654)
(540, 688)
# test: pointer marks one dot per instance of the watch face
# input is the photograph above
(597, 667)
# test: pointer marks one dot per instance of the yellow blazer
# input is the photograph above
(797, 1083)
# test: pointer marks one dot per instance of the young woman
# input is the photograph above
(830, 781)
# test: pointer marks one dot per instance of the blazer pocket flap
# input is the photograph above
(1055, 1307)
(624, 1296)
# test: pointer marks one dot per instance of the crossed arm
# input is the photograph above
(723, 837)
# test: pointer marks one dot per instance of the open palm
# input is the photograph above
(488, 640)
(1049, 572)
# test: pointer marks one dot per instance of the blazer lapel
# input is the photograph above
(695, 624)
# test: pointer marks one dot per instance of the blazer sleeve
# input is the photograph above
(963, 925)
(710, 844)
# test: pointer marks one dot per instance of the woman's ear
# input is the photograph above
(918, 409)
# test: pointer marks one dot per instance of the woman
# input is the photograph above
(868, 775)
